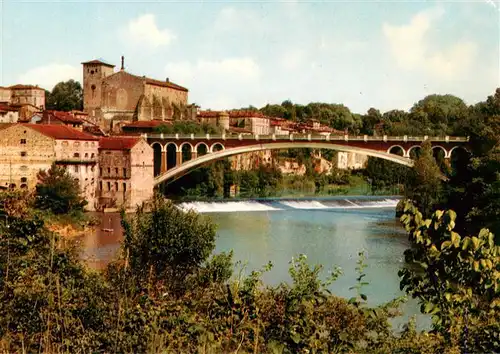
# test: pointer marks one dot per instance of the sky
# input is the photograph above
(232, 54)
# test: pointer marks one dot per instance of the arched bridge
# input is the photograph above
(176, 154)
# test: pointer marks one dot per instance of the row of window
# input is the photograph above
(75, 155)
(116, 171)
(117, 189)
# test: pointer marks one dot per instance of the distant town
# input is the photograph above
(103, 147)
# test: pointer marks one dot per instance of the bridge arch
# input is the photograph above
(157, 157)
(201, 149)
(185, 167)
(415, 149)
(440, 147)
(457, 148)
(171, 150)
(395, 148)
(217, 147)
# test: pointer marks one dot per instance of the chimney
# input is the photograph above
(123, 63)
(168, 80)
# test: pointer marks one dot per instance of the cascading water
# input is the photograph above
(287, 204)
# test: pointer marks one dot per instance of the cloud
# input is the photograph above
(217, 84)
(47, 76)
(411, 47)
(143, 31)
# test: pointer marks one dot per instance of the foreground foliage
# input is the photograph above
(50, 302)
(457, 279)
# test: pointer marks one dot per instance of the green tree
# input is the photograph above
(456, 279)
(58, 191)
(424, 180)
(167, 243)
(65, 96)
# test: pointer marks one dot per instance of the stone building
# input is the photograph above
(25, 149)
(60, 118)
(125, 171)
(8, 114)
(350, 160)
(256, 122)
(113, 99)
(23, 94)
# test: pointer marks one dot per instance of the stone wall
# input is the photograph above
(80, 157)
(142, 173)
(9, 117)
(23, 153)
(114, 177)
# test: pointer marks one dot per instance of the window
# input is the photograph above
(116, 186)
(86, 155)
(109, 171)
(116, 171)
(100, 185)
(92, 156)
(100, 171)
(76, 168)
(124, 187)
(23, 153)
(109, 186)
(76, 154)
(124, 172)
(23, 141)
(24, 180)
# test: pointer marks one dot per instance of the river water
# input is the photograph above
(329, 231)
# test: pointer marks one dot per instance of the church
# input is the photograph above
(112, 99)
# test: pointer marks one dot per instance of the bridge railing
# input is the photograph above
(302, 137)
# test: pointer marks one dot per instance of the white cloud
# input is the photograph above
(217, 84)
(47, 76)
(143, 31)
(411, 47)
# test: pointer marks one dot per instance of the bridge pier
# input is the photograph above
(163, 166)
(194, 154)
(178, 158)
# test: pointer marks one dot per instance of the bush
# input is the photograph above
(58, 191)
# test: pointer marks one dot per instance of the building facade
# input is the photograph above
(113, 99)
(125, 171)
(25, 149)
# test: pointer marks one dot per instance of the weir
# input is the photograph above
(336, 203)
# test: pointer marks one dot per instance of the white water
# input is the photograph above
(305, 204)
(271, 205)
(226, 207)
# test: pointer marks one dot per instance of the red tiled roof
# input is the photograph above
(65, 117)
(147, 124)
(5, 125)
(165, 84)
(93, 129)
(20, 87)
(98, 61)
(208, 114)
(6, 107)
(60, 132)
(246, 114)
(117, 143)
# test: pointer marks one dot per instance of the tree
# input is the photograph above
(423, 184)
(58, 191)
(456, 279)
(167, 243)
(65, 96)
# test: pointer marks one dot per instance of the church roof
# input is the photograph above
(98, 61)
(164, 84)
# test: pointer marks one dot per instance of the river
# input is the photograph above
(329, 231)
